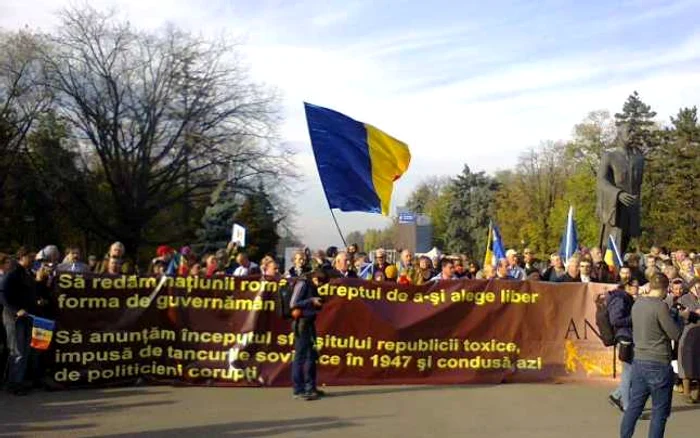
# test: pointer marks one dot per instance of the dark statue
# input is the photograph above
(619, 190)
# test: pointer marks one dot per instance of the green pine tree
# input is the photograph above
(639, 118)
(258, 216)
(217, 221)
(470, 207)
(672, 215)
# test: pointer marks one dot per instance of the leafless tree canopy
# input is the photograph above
(22, 98)
(159, 118)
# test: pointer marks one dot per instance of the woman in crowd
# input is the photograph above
(425, 270)
(195, 269)
(472, 270)
(689, 345)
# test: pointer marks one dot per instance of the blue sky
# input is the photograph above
(459, 81)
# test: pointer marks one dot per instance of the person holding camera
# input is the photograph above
(305, 304)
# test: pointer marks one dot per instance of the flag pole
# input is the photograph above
(345, 244)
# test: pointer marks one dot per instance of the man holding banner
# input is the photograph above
(19, 300)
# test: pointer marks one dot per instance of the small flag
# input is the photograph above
(569, 241)
(612, 255)
(494, 246)
(366, 271)
(488, 258)
(499, 251)
(42, 333)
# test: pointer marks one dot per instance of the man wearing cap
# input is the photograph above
(380, 263)
(514, 270)
(652, 375)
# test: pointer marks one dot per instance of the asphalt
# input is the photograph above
(512, 410)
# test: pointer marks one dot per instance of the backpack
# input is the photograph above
(284, 298)
(602, 320)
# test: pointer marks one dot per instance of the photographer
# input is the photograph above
(306, 304)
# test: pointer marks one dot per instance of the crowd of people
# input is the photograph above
(25, 286)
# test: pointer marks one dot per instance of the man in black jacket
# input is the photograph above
(18, 298)
(620, 303)
(600, 272)
(306, 303)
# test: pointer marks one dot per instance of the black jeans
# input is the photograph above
(305, 355)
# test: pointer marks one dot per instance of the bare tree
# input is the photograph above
(22, 96)
(592, 137)
(162, 118)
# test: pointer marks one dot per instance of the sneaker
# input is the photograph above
(298, 395)
(319, 393)
(616, 402)
(309, 396)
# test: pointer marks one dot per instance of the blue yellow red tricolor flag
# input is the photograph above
(357, 162)
(42, 332)
(495, 250)
(612, 256)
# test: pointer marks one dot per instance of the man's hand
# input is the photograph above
(316, 301)
(21, 313)
(627, 199)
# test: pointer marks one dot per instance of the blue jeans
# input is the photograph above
(19, 336)
(305, 355)
(649, 378)
(622, 392)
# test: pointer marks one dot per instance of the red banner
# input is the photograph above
(226, 332)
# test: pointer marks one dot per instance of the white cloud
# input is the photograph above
(483, 109)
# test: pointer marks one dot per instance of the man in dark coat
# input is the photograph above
(18, 298)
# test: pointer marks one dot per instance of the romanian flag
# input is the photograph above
(357, 162)
(612, 255)
(494, 246)
(42, 332)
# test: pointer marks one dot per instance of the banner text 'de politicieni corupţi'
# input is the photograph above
(226, 332)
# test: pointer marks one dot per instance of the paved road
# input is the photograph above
(372, 411)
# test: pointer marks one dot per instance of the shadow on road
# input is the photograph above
(28, 415)
(247, 429)
(399, 389)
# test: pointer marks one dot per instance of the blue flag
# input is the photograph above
(569, 240)
(498, 249)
